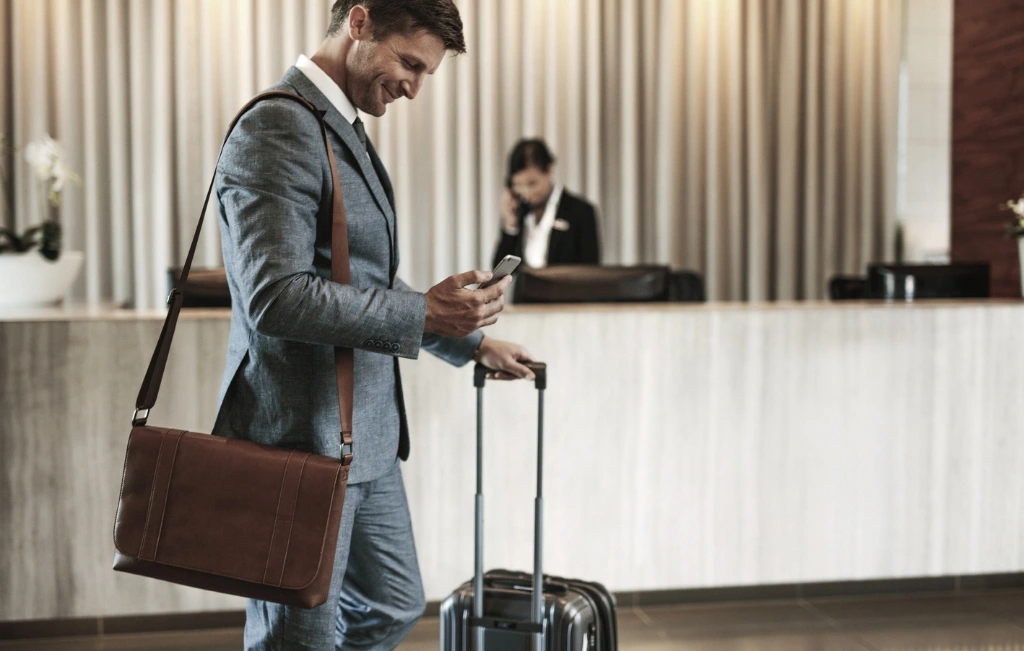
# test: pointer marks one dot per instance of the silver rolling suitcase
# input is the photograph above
(519, 611)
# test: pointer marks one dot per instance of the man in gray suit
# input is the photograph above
(274, 202)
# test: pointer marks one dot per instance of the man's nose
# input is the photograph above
(412, 87)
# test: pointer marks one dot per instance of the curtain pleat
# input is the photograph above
(691, 213)
(6, 157)
(591, 97)
(809, 177)
(751, 140)
(485, 94)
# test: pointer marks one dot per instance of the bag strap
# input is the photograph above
(340, 273)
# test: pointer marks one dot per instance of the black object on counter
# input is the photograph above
(578, 283)
(928, 281)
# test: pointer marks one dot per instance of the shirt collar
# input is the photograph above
(552, 206)
(328, 87)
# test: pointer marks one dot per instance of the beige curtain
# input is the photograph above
(752, 140)
(6, 157)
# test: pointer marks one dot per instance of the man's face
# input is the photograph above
(379, 72)
(532, 184)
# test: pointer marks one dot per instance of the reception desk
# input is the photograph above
(687, 446)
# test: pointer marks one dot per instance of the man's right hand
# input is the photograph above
(454, 311)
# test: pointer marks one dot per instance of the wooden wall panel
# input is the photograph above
(988, 134)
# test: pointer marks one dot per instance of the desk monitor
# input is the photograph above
(928, 281)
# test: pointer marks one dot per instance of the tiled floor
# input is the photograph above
(983, 621)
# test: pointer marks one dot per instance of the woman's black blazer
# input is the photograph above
(576, 245)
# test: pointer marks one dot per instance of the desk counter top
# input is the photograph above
(110, 312)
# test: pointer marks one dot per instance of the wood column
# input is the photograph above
(988, 134)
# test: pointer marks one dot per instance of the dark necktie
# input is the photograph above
(360, 131)
(382, 176)
(378, 166)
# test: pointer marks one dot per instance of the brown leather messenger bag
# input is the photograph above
(230, 515)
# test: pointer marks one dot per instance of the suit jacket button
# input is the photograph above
(377, 344)
(394, 348)
(368, 343)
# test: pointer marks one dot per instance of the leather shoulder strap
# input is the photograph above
(340, 273)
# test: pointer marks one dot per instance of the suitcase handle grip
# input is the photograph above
(540, 373)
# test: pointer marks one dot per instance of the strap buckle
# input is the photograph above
(140, 421)
(346, 442)
(174, 293)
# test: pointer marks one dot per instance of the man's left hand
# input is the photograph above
(505, 358)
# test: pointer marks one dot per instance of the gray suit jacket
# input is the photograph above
(273, 192)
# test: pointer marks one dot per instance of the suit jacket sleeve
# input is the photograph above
(453, 350)
(272, 179)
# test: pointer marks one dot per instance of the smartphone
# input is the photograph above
(522, 208)
(507, 265)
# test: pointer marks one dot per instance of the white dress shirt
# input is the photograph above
(330, 89)
(538, 234)
(326, 85)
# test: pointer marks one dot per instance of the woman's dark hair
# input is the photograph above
(439, 17)
(530, 152)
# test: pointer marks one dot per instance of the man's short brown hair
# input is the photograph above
(438, 17)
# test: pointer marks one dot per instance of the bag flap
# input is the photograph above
(227, 507)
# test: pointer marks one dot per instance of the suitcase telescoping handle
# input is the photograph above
(536, 625)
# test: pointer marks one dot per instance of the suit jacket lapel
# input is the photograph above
(389, 191)
(337, 122)
(382, 174)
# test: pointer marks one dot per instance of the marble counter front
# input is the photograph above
(687, 446)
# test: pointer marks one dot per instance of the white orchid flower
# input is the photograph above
(1017, 207)
(46, 157)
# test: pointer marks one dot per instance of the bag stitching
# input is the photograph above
(277, 514)
(152, 493)
(167, 493)
(288, 540)
(323, 540)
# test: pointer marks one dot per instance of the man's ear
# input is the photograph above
(360, 26)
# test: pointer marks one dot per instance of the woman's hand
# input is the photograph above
(509, 216)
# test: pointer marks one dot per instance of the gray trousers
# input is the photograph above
(376, 592)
